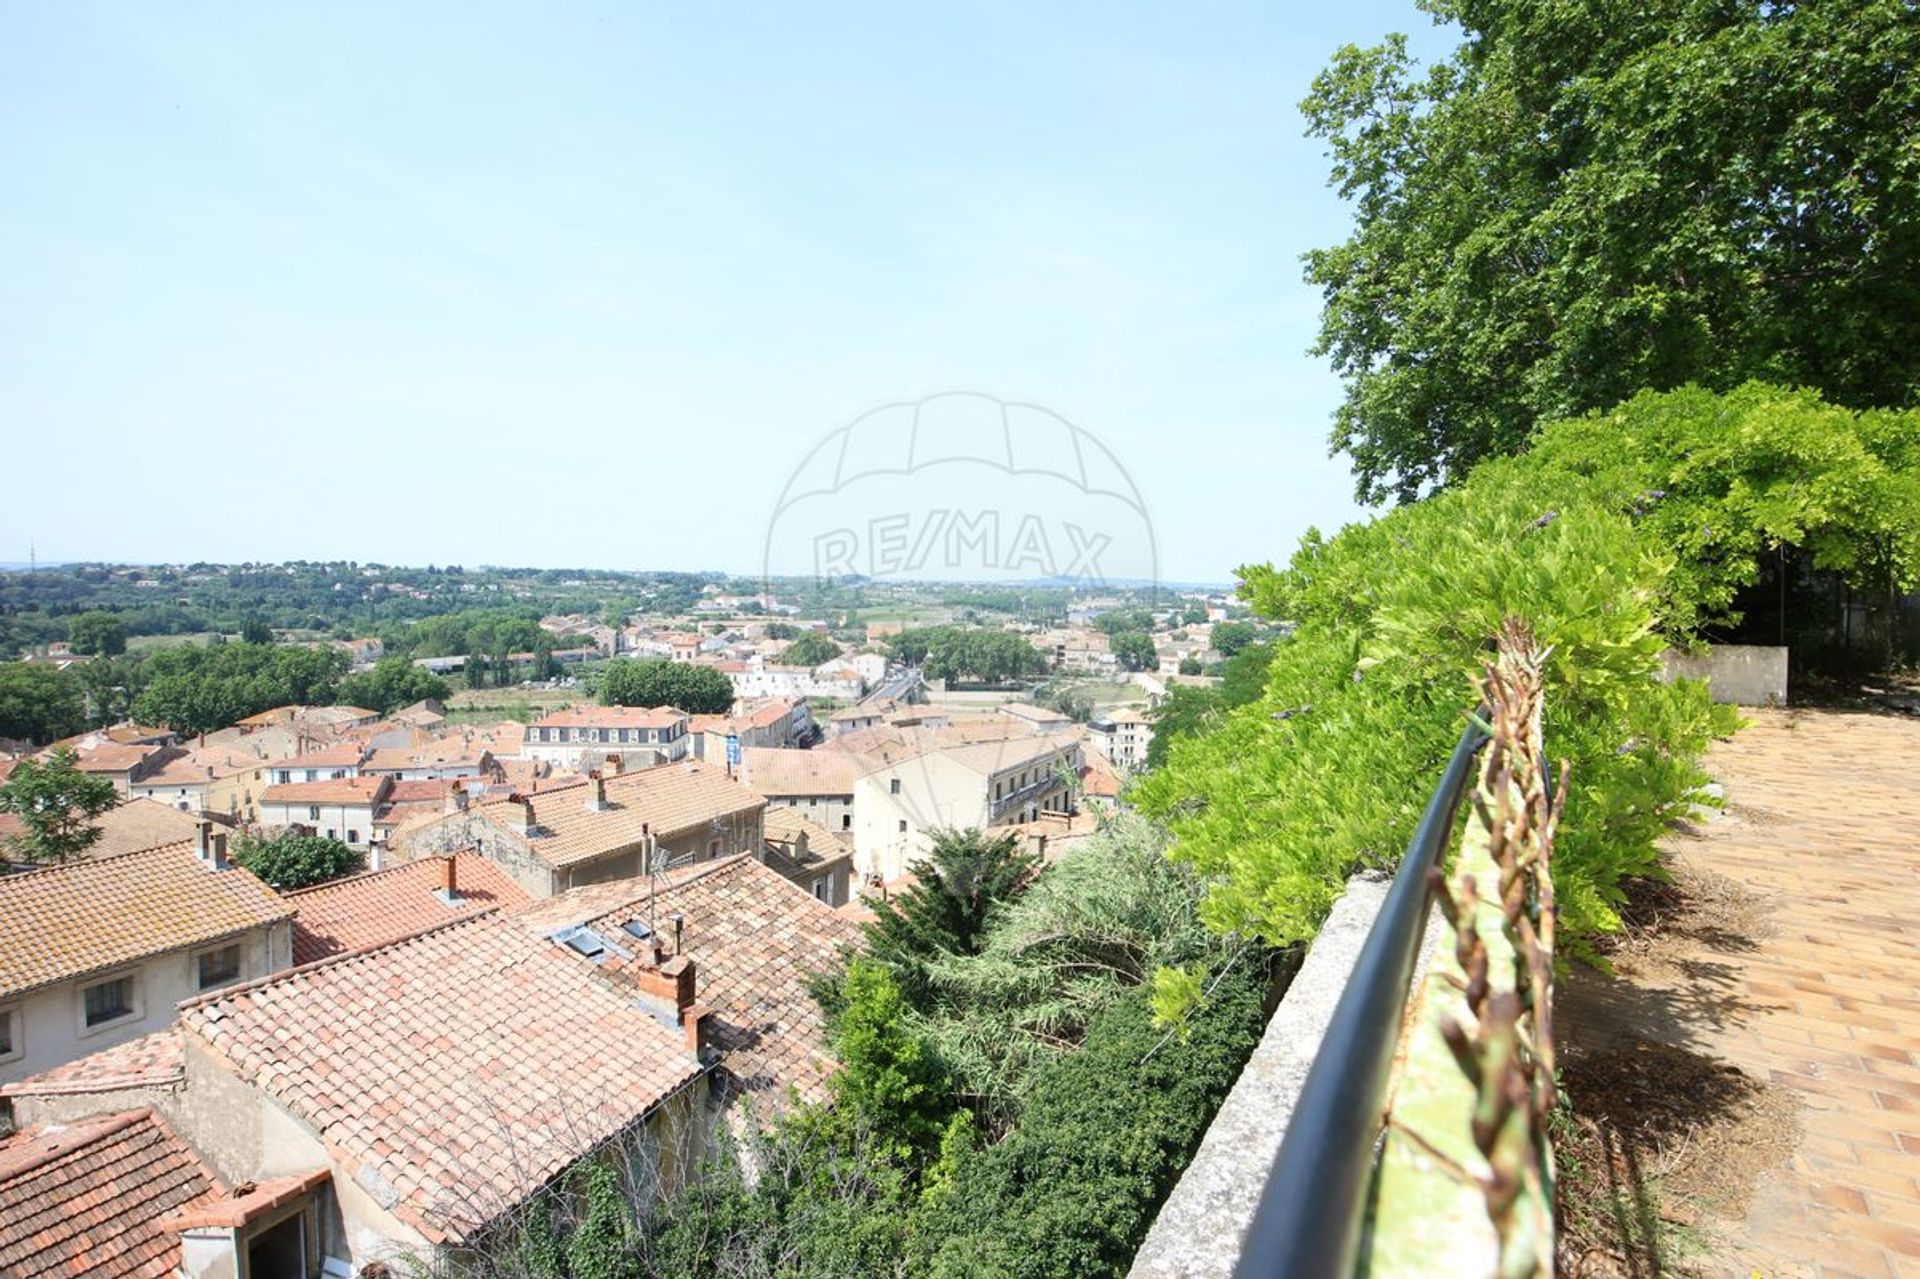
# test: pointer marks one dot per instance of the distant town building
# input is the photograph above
(584, 736)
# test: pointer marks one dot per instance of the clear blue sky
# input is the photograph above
(580, 284)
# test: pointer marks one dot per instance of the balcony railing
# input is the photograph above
(1312, 1212)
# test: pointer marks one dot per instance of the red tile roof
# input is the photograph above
(667, 799)
(386, 905)
(454, 1072)
(612, 717)
(86, 917)
(345, 755)
(145, 1062)
(85, 1201)
(338, 790)
(754, 937)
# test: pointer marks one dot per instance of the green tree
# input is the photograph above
(111, 684)
(1588, 200)
(56, 803)
(989, 657)
(392, 683)
(255, 630)
(98, 634)
(964, 880)
(292, 861)
(889, 1082)
(1191, 666)
(39, 702)
(1230, 637)
(1119, 620)
(197, 688)
(810, 649)
(695, 689)
(1135, 651)
(1103, 1136)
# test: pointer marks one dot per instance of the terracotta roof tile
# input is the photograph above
(345, 755)
(612, 717)
(145, 1062)
(68, 921)
(387, 905)
(778, 771)
(754, 937)
(85, 1201)
(667, 799)
(454, 1072)
(141, 824)
(782, 824)
(338, 790)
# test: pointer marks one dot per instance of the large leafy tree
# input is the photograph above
(392, 683)
(653, 681)
(292, 861)
(98, 634)
(197, 688)
(39, 703)
(810, 649)
(1591, 197)
(56, 804)
(1134, 651)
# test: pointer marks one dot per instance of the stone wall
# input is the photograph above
(1740, 674)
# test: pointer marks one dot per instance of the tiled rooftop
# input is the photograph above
(777, 771)
(455, 1071)
(140, 824)
(612, 717)
(783, 825)
(668, 799)
(754, 937)
(145, 1062)
(86, 1201)
(85, 917)
(384, 906)
(338, 790)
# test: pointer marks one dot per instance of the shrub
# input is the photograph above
(291, 861)
(1103, 1137)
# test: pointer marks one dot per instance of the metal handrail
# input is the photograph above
(1309, 1221)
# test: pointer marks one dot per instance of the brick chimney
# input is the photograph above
(615, 765)
(456, 801)
(448, 888)
(596, 792)
(520, 815)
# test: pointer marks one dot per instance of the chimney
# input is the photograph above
(449, 890)
(693, 1024)
(203, 843)
(218, 854)
(679, 926)
(456, 801)
(616, 764)
(596, 792)
(520, 818)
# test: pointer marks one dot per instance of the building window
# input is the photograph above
(11, 1045)
(285, 777)
(903, 825)
(109, 1001)
(713, 849)
(313, 812)
(893, 785)
(813, 801)
(846, 821)
(353, 836)
(820, 889)
(219, 967)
